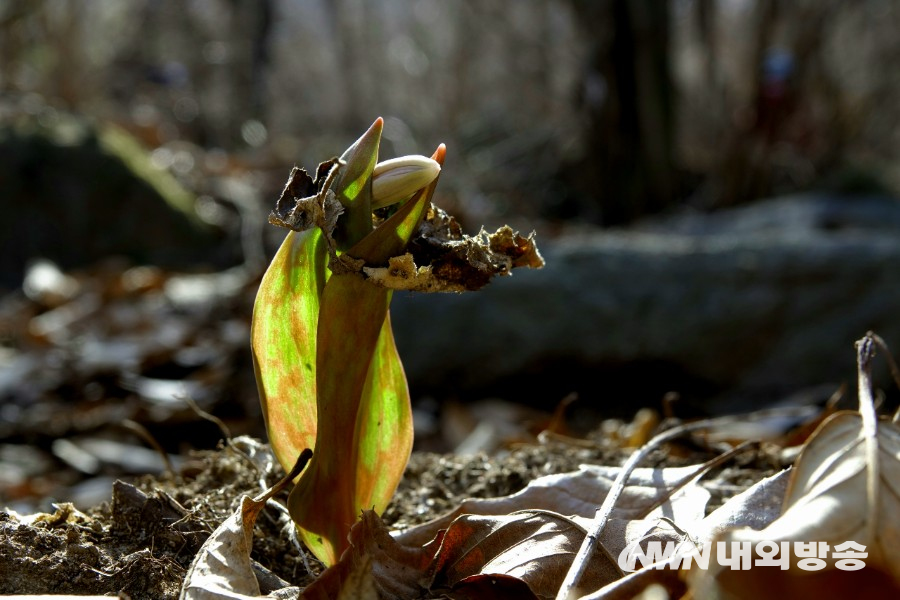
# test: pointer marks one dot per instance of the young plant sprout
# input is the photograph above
(327, 368)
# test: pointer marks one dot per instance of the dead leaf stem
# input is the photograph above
(865, 349)
(892, 364)
(143, 433)
(223, 428)
(304, 458)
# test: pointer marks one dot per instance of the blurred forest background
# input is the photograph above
(595, 111)
(163, 130)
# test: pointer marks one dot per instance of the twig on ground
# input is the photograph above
(142, 432)
(705, 468)
(567, 590)
(226, 432)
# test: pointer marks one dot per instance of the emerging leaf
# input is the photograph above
(353, 187)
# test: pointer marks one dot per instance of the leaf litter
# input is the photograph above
(208, 487)
(143, 542)
(487, 546)
(222, 568)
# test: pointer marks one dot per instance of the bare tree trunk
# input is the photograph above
(250, 25)
(743, 173)
(346, 42)
(627, 97)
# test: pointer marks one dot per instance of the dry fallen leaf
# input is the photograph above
(223, 569)
(844, 487)
(397, 571)
(830, 499)
(648, 496)
(520, 545)
(360, 584)
(525, 554)
(755, 507)
(828, 584)
(534, 546)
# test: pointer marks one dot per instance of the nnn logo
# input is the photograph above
(811, 556)
(660, 556)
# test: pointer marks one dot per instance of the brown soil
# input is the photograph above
(142, 542)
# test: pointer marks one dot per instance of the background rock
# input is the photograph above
(759, 301)
(76, 193)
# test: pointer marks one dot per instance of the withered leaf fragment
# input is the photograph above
(306, 203)
(441, 258)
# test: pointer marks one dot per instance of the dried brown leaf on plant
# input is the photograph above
(443, 259)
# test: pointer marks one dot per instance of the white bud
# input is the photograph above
(397, 179)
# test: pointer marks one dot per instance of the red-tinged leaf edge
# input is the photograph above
(283, 342)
